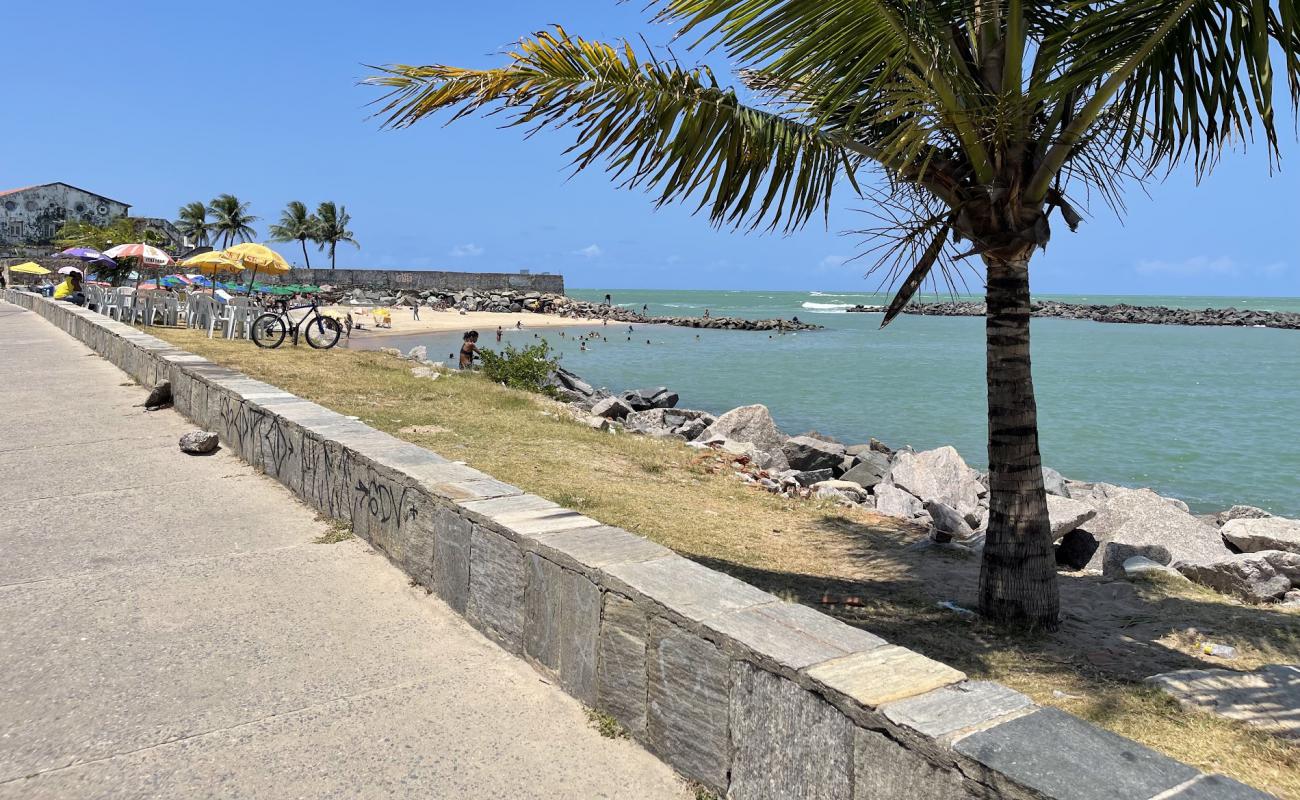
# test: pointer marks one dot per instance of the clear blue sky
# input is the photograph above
(158, 104)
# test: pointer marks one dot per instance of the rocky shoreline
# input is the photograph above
(516, 301)
(1112, 531)
(1122, 313)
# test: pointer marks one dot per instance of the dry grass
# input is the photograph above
(848, 562)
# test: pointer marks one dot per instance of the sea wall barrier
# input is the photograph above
(1121, 313)
(755, 698)
(420, 280)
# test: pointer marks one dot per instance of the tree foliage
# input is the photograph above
(296, 224)
(332, 228)
(231, 221)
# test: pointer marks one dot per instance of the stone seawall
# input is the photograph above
(1122, 313)
(755, 698)
(420, 280)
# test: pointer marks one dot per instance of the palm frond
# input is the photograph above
(654, 125)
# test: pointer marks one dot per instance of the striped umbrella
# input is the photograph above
(148, 255)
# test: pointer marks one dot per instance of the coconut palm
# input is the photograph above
(332, 228)
(296, 225)
(985, 116)
(231, 221)
(192, 222)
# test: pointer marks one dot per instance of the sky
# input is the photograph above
(158, 104)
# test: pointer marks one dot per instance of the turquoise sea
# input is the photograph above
(1209, 415)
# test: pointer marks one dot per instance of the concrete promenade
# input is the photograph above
(169, 629)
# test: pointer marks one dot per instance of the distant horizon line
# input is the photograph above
(942, 294)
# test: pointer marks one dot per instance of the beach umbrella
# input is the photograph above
(257, 257)
(88, 254)
(211, 263)
(70, 271)
(146, 254)
(30, 268)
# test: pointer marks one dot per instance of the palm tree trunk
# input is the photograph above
(332, 255)
(1018, 573)
(305, 257)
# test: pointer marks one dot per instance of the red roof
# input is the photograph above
(4, 192)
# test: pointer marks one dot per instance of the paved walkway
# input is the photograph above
(168, 628)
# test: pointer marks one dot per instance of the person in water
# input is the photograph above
(498, 333)
(468, 349)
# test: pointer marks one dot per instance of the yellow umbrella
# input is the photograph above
(211, 263)
(257, 257)
(30, 268)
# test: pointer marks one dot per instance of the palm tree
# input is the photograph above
(192, 222)
(296, 224)
(984, 116)
(231, 221)
(332, 228)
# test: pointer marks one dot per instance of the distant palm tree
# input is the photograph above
(984, 116)
(332, 228)
(192, 222)
(232, 223)
(296, 225)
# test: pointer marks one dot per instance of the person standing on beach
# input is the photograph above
(415, 311)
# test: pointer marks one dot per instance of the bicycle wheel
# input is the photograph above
(322, 332)
(269, 331)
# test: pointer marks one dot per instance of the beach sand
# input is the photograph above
(430, 321)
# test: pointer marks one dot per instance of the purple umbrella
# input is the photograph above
(90, 255)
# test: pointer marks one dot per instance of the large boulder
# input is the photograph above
(750, 425)
(611, 408)
(1076, 549)
(808, 453)
(1250, 535)
(663, 422)
(1054, 482)
(1158, 530)
(567, 380)
(646, 399)
(894, 502)
(840, 490)
(870, 469)
(1255, 577)
(940, 476)
(1239, 512)
(1065, 515)
(812, 476)
(947, 523)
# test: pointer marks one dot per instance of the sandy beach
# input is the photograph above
(431, 321)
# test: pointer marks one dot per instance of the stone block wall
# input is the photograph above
(425, 279)
(746, 694)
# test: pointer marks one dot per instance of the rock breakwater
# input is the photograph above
(1121, 313)
(519, 301)
(1112, 531)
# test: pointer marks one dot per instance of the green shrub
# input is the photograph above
(526, 369)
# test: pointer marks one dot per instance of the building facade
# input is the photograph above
(32, 216)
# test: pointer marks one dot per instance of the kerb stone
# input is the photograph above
(884, 769)
(682, 586)
(496, 588)
(884, 674)
(1083, 762)
(788, 742)
(688, 707)
(592, 549)
(953, 709)
(791, 636)
(621, 665)
(542, 612)
(579, 636)
(451, 549)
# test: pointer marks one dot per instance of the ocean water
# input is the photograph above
(1206, 414)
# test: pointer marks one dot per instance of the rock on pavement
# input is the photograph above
(199, 442)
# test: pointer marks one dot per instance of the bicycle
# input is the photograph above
(321, 332)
